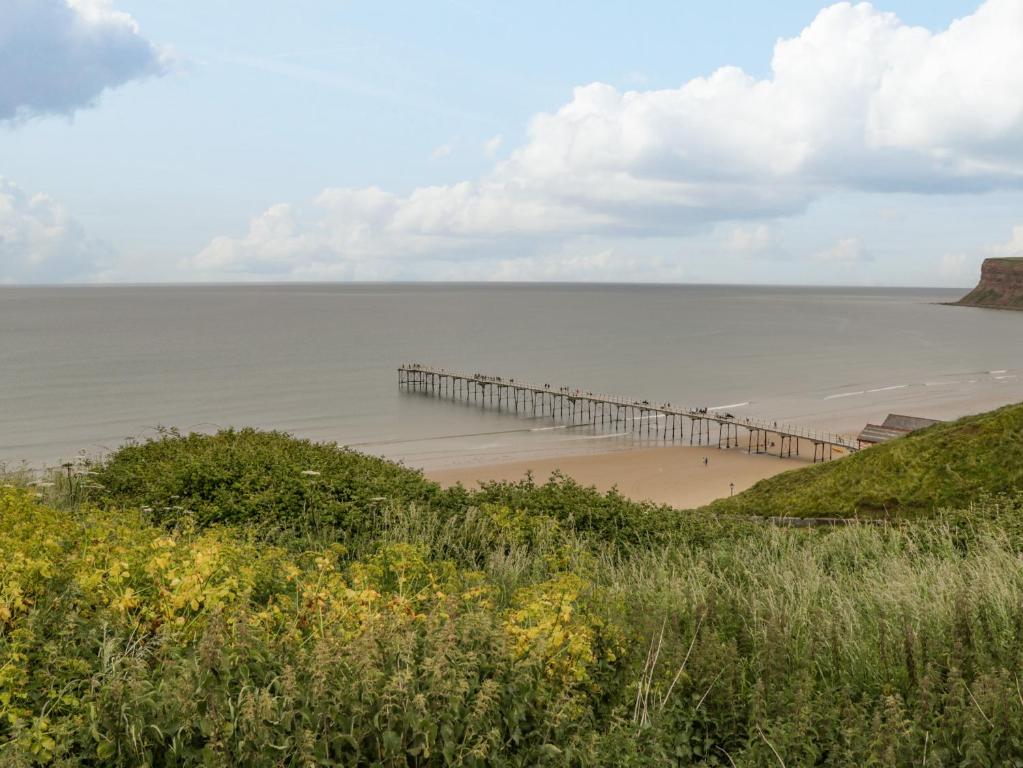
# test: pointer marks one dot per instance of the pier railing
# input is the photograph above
(659, 420)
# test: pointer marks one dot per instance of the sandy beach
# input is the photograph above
(674, 475)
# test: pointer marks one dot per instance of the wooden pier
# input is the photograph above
(653, 421)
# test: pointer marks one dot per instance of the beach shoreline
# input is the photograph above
(670, 474)
(675, 474)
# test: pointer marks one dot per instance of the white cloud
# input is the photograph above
(963, 268)
(957, 96)
(41, 242)
(57, 56)
(754, 240)
(1013, 247)
(958, 269)
(856, 101)
(492, 146)
(847, 251)
(444, 150)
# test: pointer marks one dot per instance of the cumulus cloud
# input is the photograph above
(57, 56)
(856, 101)
(962, 268)
(847, 251)
(41, 242)
(492, 146)
(1013, 247)
(958, 269)
(754, 240)
(444, 150)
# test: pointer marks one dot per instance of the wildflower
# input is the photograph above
(310, 473)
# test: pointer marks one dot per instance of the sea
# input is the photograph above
(84, 369)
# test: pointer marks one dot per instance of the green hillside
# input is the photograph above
(249, 599)
(946, 465)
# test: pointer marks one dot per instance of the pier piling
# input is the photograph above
(600, 412)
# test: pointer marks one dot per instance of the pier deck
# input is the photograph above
(662, 421)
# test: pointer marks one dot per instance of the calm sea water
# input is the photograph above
(85, 368)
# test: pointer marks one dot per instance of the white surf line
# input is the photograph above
(733, 405)
(548, 429)
(655, 417)
(596, 437)
(435, 437)
(1003, 378)
(1001, 371)
(887, 389)
(845, 394)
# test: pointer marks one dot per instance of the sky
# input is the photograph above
(661, 141)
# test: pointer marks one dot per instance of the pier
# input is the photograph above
(654, 421)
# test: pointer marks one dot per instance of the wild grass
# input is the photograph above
(944, 466)
(508, 640)
(529, 624)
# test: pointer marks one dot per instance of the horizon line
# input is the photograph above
(477, 283)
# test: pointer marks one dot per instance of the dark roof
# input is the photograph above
(894, 426)
(875, 433)
(907, 423)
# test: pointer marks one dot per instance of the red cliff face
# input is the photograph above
(1000, 286)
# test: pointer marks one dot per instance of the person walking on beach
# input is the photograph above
(705, 460)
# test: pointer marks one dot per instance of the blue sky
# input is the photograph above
(357, 140)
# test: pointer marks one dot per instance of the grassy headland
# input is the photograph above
(947, 465)
(250, 599)
(1000, 286)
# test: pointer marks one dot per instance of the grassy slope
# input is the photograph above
(988, 297)
(946, 465)
(514, 626)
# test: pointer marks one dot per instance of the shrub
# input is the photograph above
(268, 481)
(121, 643)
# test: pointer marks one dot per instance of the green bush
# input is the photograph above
(250, 599)
(283, 487)
(269, 481)
(123, 643)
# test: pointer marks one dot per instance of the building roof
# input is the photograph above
(893, 426)
(907, 423)
(875, 433)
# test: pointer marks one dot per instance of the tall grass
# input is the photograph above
(855, 646)
(528, 624)
(946, 465)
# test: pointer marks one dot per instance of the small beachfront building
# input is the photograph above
(893, 426)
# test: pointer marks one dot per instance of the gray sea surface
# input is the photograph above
(85, 368)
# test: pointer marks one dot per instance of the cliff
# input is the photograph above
(1000, 286)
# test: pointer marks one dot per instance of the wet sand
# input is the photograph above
(674, 475)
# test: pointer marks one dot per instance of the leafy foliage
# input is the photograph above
(280, 487)
(220, 607)
(123, 644)
(267, 480)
